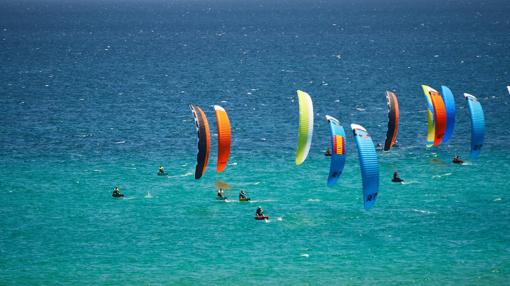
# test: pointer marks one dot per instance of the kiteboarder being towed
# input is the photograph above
(116, 193)
(220, 195)
(396, 178)
(457, 160)
(259, 212)
(161, 171)
(243, 196)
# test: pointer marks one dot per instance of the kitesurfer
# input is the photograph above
(457, 160)
(259, 212)
(396, 178)
(220, 194)
(161, 171)
(328, 153)
(116, 193)
(243, 196)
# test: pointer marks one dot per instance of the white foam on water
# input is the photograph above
(423, 211)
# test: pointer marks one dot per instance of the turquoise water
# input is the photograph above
(96, 94)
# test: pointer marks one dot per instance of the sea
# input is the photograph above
(95, 94)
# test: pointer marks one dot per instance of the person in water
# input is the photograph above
(396, 178)
(161, 170)
(259, 212)
(243, 196)
(221, 194)
(328, 152)
(116, 193)
(457, 160)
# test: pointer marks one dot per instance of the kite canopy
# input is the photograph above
(305, 126)
(477, 124)
(337, 150)
(393, 116)
(430, 115)
(224, 137)
(449, 102)
(368, 164)
(439, 117)
(204, 140)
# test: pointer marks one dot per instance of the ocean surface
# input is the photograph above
(95, 94)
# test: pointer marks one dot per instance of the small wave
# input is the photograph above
(261, 201)
(409, 182)
(148, 195)
(280, 218)
(497, 199)
(304, 255)
(184, 165)
(233, 164)
(120, 142)
(97, 170)
(187, 174)
(467, 164)
(423, 211)
(360, 109)
(440, 176)
(174, 176)
(314, 200)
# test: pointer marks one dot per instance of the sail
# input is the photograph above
(224, 137)
(393, 116)
(477, 124)
(430, 116)
(337, 150)
(368, 164)
(449, 102)
(305, 126)
(204, 141)
(439, 117)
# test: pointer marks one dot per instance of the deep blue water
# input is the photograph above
(95, 94)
